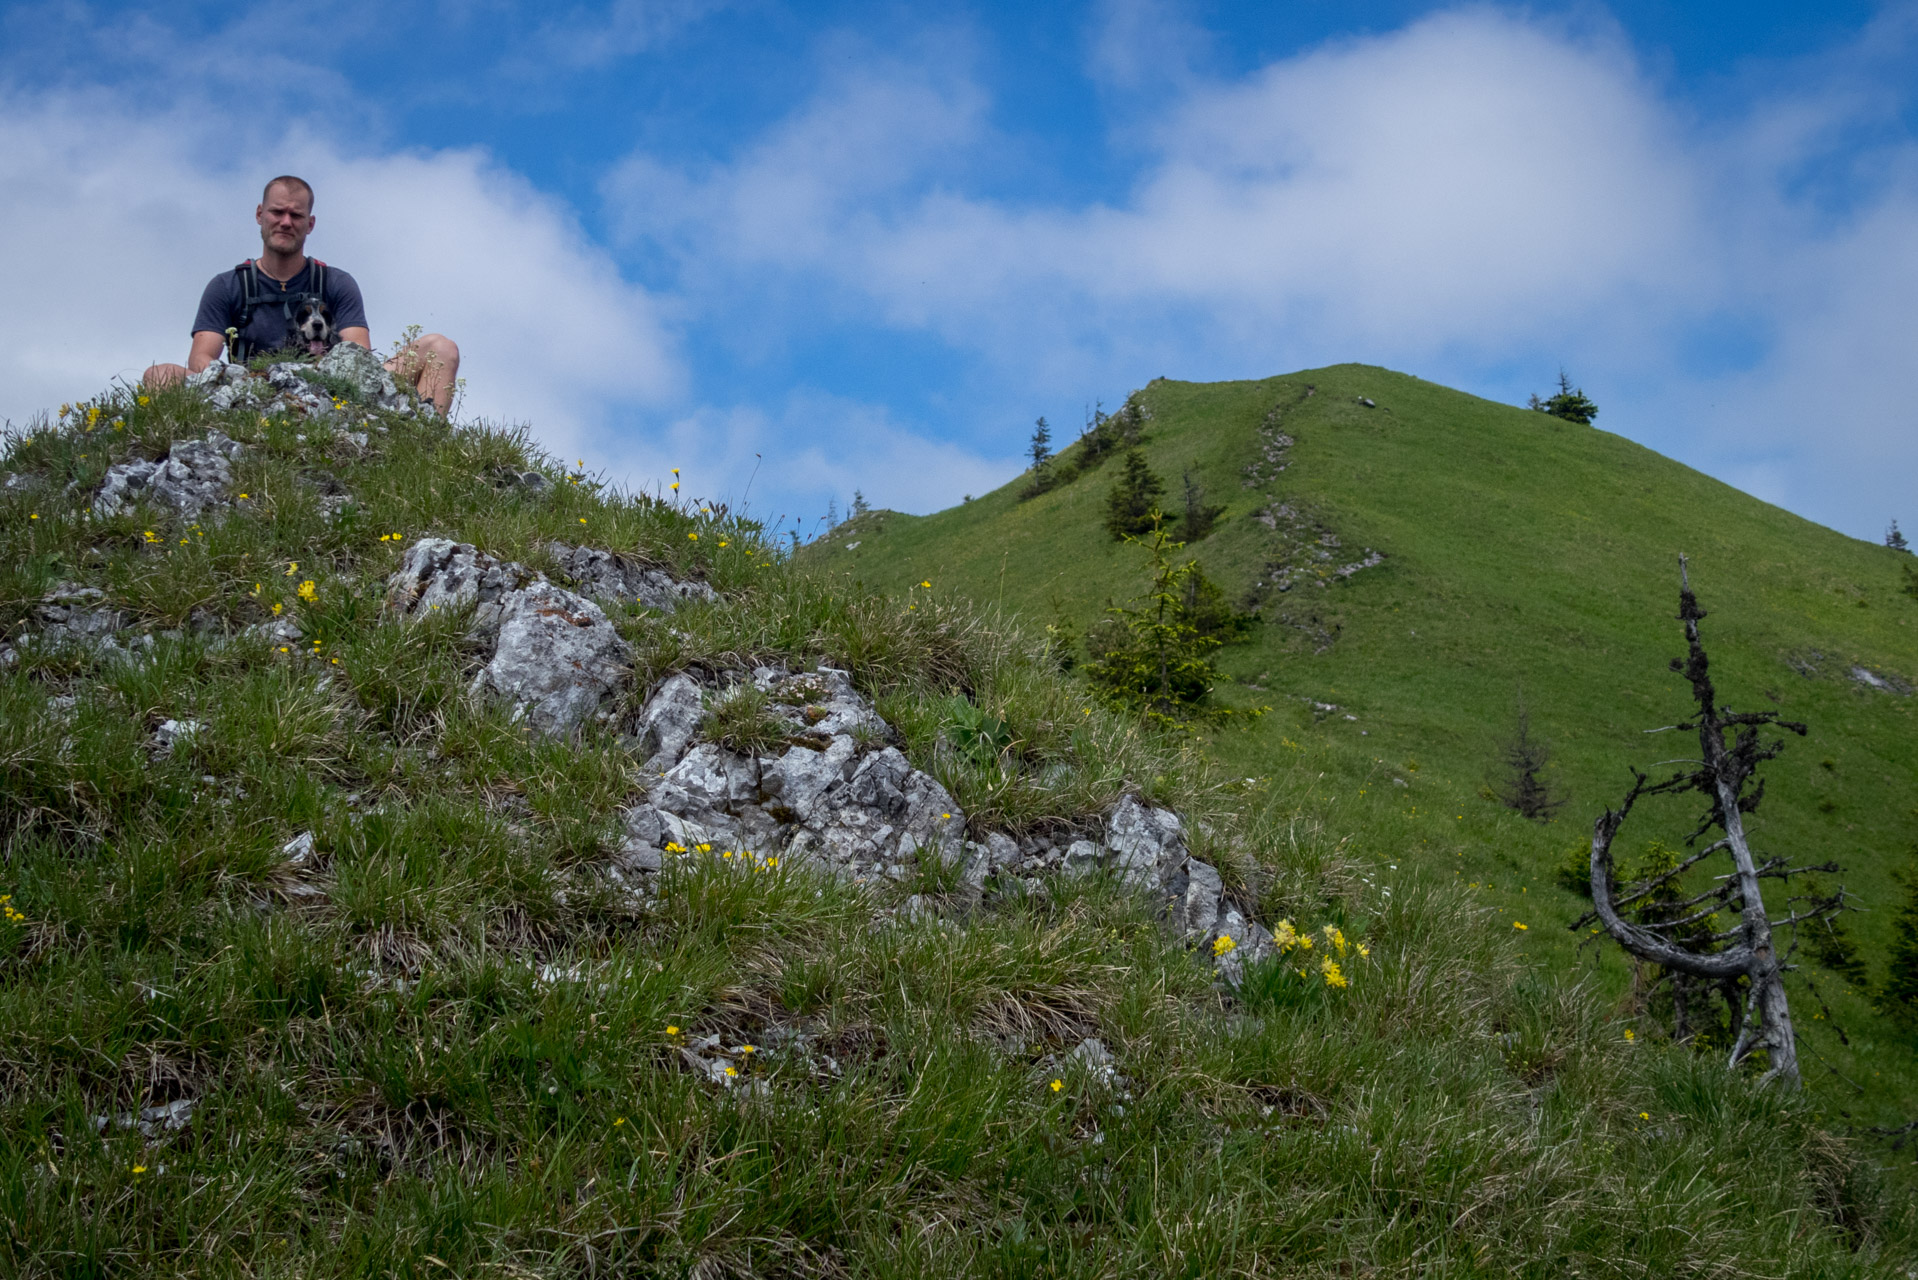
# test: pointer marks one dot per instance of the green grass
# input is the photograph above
(445, 1043)
(1523, 554)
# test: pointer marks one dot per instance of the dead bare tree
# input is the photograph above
(1742, 961)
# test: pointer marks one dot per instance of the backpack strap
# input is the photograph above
(254, 294)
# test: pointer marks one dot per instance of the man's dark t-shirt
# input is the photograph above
(271, 329)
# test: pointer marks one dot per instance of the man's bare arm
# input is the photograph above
(206, 345)
(354, 333)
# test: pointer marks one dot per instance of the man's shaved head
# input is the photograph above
(292, 185)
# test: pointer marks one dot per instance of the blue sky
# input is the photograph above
(864, 245)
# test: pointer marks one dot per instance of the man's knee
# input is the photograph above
(163, 375)
(429, 351)
(438, 349)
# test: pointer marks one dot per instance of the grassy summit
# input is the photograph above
(1521, 553)
(311, 963)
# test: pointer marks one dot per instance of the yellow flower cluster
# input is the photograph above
(308, 592)
(8, 911)
(1333, 946)
(392, 537)
(1223, 945)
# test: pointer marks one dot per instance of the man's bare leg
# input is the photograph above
(431, 364)
(163, 375)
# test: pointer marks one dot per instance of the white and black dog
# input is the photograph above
(314, 321)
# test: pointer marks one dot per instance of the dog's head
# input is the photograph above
(314, 321)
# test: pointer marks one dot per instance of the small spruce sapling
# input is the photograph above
(1895, 538)
(859, 504)
(1040, 451)
(1897, 998)
(1132, 508)
(1199, 518)
(1569, 404)
(1524, 758)
(1743, 960)
(1149, 656)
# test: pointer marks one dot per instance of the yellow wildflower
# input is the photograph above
(276, 609)
(731, 1072)
(1057, 1085)
(693, 536)
(1224, 944)
(925, 584)
(1520, 927)
(1630, 1034)
(308, 592)
(672, 1031)
(144, 401)
(1333, 977)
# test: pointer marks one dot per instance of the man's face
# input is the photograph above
(284, 220)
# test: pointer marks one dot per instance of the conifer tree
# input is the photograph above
(1150, 656)
(1895, 539)
(1898, 998)
(1569, 404)
(1132, 508)
(1199, 517)
(1525, 757)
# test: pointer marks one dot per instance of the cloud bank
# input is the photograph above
(1474, 194)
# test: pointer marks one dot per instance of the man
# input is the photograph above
(281, 277)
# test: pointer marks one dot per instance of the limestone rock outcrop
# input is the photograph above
(607, 575)
(192, 479)
(557, 659)
(841, 796)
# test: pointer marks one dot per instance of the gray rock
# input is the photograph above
(172, 733)
(1880, 681)
(800, 780)
(669, 722)
(438, 573)
(368, 375)
(1196, 910)
(192, 479)
(977, 867)
(215, 374)
(643, 825)
(1146, 843)
(1084, 857)
(557, 658)
(1004, 851)
(169, 1117)
(298, 849)
(607, 575)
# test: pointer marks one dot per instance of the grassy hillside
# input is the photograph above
(338, 982)
(1521, 552)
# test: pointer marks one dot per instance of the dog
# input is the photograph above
(314, 322)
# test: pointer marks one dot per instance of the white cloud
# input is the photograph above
(115, 220)
(1474, 190)
(818, 448)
